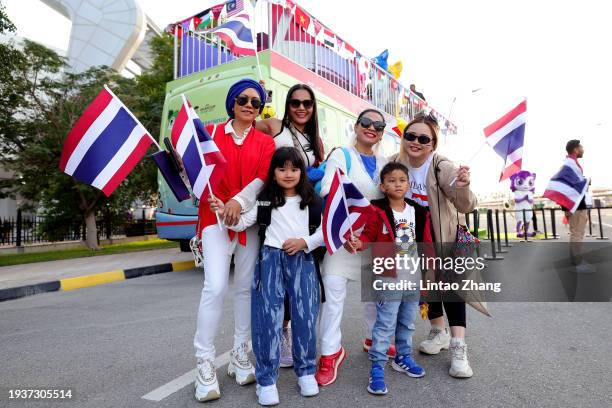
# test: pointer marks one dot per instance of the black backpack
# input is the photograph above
(315, 209)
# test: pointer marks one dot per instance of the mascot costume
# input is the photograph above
(522, 185)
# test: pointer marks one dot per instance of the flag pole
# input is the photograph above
(348, 215)
(255, 44)
(470, 160)
(193, 131)
(134, 117)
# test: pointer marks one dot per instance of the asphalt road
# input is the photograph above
(115, 343)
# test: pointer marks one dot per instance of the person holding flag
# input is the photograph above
(248, 153)
(361, 161)
(444, 188)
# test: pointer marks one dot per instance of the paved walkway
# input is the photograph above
(27, 274)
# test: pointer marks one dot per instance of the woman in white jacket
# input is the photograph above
(363, 168)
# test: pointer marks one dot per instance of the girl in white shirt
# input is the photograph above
(285, 265)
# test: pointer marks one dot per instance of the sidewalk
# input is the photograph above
(29, 274)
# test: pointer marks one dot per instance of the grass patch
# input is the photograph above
(58, 254)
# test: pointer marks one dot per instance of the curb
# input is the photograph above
(95, 279)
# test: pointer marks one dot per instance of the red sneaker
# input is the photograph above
(367, 343)
(327, 371)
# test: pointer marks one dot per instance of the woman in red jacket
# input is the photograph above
(248, 153)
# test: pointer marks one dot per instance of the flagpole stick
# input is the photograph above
(211, 190)
(470, 160)
(255, 45)
(135, 118)
(348, 215)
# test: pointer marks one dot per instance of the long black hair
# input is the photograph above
(273, 192)
(312, 126)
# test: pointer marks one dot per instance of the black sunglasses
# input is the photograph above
(366, 122)
(411, 137)
(242, 100)
(306, 103)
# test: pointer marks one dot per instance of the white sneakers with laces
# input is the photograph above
(240, 366)
(206, 384)
(460, 367)
(437, 340)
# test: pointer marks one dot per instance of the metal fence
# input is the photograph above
(25, 229)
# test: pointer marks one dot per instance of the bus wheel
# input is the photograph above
(184, 245)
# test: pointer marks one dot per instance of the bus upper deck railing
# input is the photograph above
(317, 49)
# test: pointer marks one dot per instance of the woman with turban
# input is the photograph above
(248, 153)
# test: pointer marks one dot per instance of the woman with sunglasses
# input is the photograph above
(248, 153)
(338, 269)
(443, 187)
(299, 128)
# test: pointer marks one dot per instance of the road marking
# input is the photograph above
(184, 380)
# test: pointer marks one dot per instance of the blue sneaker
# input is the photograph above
(405, 364)
(377, 385)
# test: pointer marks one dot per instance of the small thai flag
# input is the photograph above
(202, 160)
(105, 144)
(345, 211)
(507, 135)
(237, 34)
(568, 186)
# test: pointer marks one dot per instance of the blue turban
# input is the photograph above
(236, 89)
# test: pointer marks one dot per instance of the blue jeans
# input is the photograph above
(394, 317)
(277, 273)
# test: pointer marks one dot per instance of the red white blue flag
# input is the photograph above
(346, 210)
(506, 136)
(568, 186)
(237, 34)
(233, 7)
(202, 160)
(105, 144)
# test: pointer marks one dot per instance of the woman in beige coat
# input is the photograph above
(442, 186)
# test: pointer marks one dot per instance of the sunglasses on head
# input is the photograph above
(428, 117)
(366, 122)
(242, 100)
(306, 103)
(411, 137)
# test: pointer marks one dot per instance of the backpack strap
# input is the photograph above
(347, 159)
(315, 209)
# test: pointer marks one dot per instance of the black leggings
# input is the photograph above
(454, 307)
(287, 309)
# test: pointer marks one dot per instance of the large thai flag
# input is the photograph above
(507, 135)
(105, 144)
(237, 34)
(346, 209)
(202, 160)
(568, 186)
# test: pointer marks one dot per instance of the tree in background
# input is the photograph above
(40, 102)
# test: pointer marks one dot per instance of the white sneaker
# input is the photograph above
(240, 366)
(585, 267)
(286, 351)
(267, 395)
(308, 385)
(460, 367)
(437, 340)
(206, 384)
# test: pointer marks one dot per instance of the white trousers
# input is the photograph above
(217, 250)
(331, 314)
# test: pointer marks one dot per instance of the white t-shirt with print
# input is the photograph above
(418, 182)
(405, 239)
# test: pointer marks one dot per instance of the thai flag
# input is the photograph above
(568, 186)
(105, 144)
(237, 34)
(507, 135)
(202, 160)
(346, 210)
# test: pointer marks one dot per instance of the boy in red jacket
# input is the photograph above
(403, 222)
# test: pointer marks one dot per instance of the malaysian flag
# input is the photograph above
(568, 186)
(202, 160)
(234, 7)
(346, 210)
(105, 144)
(237, 34)
(507, 135)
